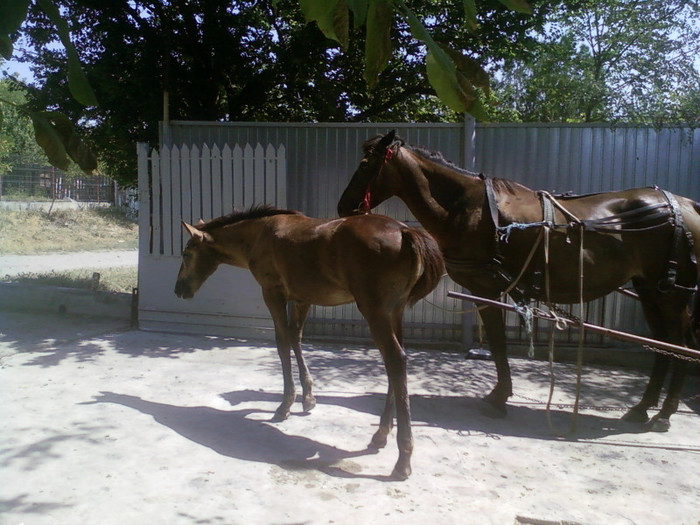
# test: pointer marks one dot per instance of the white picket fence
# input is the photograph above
(186, 184)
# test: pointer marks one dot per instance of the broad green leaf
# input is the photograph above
(12, 14)
(6, 46)
(521, 6)
(50, 141)
(56, 135)
(378, 41)
(421, 33)
(445, 84)
(77, 81)
(455, 90)
(330, 16)
(470, 14)
(471, 69)
(341, 23)
(359, 11)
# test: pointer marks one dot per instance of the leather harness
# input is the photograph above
(639, 219)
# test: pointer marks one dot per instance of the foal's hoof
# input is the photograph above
(308, 403)
(401, 472)
(636, 415)
(658, 424)
(378, 440)
(495, 411)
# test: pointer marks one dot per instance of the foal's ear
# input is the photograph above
(196, 234)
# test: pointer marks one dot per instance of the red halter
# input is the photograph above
(365, 206)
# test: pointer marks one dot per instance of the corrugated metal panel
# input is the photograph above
(591, 158)
(321, 158)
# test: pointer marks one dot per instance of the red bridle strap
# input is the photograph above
(366, 207)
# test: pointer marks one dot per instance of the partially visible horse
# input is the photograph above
(490, 232)
(377, 262)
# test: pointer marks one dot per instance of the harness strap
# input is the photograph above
(680, 230)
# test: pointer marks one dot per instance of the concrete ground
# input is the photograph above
(102, 424)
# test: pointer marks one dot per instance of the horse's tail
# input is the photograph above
(430, 257)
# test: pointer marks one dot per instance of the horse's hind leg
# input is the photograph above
(296, 326)
(661, 421)
(386, 422)
(668, 320)
(380, 324)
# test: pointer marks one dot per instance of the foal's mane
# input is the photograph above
(436, 157)
(255, 212)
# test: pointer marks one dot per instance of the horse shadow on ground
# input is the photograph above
(232, 433)
(464, 415)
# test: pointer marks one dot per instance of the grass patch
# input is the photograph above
(120, 280)
(90, 229)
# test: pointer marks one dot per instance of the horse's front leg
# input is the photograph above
(386, 421)
(495, 327)
(296, 327)
(277, 304)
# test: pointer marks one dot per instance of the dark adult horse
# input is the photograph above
(375, 261)
(648, 236)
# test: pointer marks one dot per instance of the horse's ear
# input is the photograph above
(386, 140)
(197, 234)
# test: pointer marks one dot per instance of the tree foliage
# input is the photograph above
(608, 60)
(257, 61)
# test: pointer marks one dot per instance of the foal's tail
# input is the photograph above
(430, 257)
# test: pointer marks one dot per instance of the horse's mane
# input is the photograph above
(437, 157)
(255, 212)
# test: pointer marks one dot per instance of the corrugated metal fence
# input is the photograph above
(320, 159)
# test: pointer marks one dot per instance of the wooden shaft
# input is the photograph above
(616, 334)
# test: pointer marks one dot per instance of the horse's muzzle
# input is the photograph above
(183, 291)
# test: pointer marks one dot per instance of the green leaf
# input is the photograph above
(421, 33)
(12, 14)
(330, 16)
(359, 11)
(471, 69)
(49, 140)
(56, 135)
(470, 14)
(2, 117)
(6, 46)
(78, 83)
(378, 40)
(521, 6)
(445, 84)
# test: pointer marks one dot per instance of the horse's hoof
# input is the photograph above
(492, 410)
(308, 403)
(378, 440)
(658, 424)
(636, 415)
(281, 414)
(401, 472)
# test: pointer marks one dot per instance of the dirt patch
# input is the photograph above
(135, 427)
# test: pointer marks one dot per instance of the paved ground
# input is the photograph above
(17, 264)
(105, 425)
